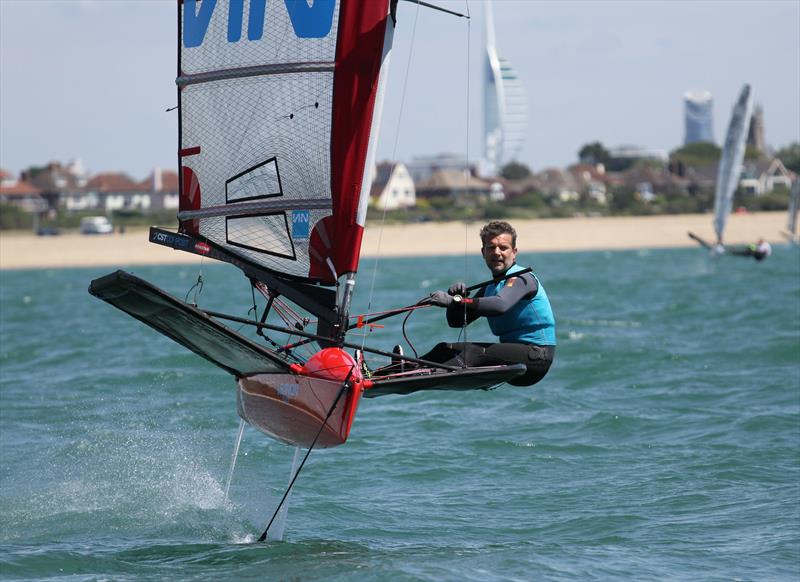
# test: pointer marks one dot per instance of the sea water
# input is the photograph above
(663, 444)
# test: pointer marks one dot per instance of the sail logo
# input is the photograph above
(300, 224)
(313, 21)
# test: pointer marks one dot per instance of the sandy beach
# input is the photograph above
(27, 251)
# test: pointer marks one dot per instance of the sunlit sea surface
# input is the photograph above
(664, 443)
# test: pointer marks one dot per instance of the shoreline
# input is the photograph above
(24, 250)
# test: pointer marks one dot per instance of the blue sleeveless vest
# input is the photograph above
(530, 321)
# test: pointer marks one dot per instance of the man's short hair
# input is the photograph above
(498, 227)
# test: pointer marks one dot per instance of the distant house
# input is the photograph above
(162, 185)
(58, 184)
(591, 179)
(764, 176)
(117, 191)
(20, 193)
(458, 184)
(392, 187)
(557, 184)
(648, 181)
(423, 167)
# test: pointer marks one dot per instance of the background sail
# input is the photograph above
(794, 207)
(264, 87)
(730, 166)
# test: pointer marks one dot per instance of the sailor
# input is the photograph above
(517, 309)
(759, 251)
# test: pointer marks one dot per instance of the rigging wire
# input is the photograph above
(439, 8)
(197, 288)
(468, 172)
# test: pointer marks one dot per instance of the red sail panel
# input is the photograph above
(359, 58)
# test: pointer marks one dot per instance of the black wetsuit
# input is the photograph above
(537, 358)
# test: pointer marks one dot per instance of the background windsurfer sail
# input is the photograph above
(730, 169)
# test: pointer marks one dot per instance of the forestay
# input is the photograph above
(279, 114)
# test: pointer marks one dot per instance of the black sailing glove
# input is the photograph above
(459, 288)
(441, 299)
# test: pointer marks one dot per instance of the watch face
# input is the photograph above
(457, 298)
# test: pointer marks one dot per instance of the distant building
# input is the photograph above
(591, 178)
(755, 134)
(505, 106)
(117, 191)
(392, 187)
(56, 182)
(763, 176)
(557, 184)
(423, 167)
(632, 152)
(460, 185)
(20, 193)
(162, 187)
(699, 122)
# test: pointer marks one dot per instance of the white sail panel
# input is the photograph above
(730, 166)
(794, 207)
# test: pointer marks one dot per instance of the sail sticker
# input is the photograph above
(189, 151)
(176, 241)
(300, 223)
(311, 21)
(314, 21)
(202, 248)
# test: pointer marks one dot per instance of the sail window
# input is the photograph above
(262, 233)
(261, 181)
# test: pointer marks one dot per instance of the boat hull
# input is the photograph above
(291, 408)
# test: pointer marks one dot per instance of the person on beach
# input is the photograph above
(759, 250)
(517, 309)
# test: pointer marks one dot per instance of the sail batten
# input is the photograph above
(321, 67)
(254, 207)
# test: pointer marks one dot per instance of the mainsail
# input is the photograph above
(280, 106)
(794, 206)
(730, 166)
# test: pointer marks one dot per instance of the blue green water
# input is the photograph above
(664, 443)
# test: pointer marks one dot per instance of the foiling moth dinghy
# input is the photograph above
(278, 123)
(730, 169)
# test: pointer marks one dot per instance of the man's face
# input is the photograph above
(499, 253)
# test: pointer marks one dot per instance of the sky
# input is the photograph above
(92, 79)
